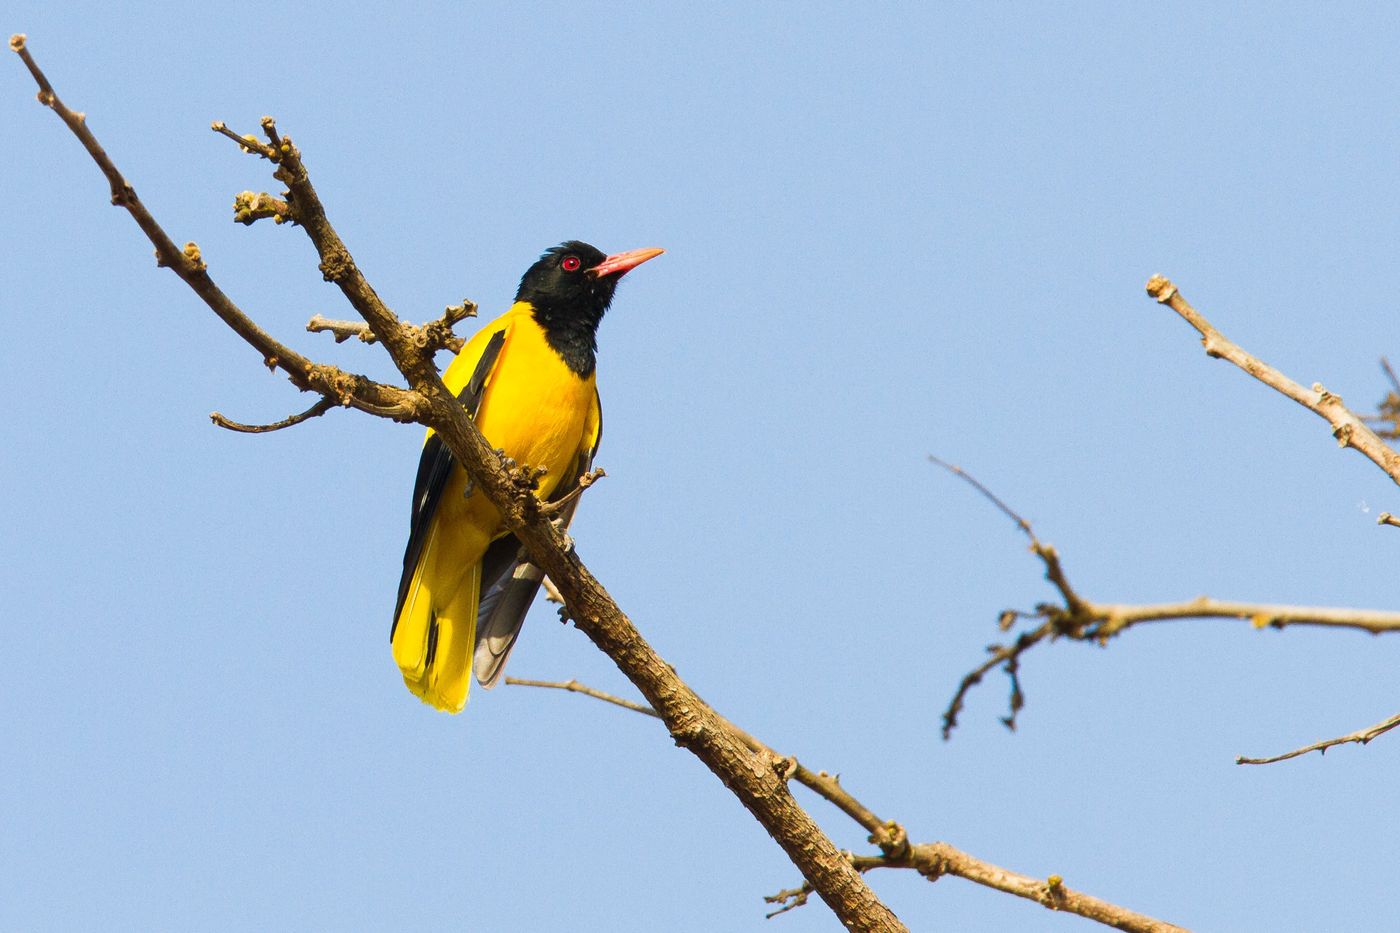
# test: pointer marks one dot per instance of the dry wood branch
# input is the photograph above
(248, 208)
(1079, 619)
(315, 411)
(341, 330)
(573, 686)
(1347, 428)
(435, 333)
(1360, 736)
(586, 481)
(1385, 518)
(248, 143)
(346, 388)
(754, 779)
(932, 860)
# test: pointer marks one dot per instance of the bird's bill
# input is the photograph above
(619, 263)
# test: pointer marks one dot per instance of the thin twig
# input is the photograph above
(987, 494)
(249, 143)
(1360, 736)
(563, 502)
(315, 411)
(1347, 428)
(573, 686)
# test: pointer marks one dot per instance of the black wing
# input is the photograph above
(509, 581)
(434, 467)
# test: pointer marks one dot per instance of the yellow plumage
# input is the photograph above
(541, 413)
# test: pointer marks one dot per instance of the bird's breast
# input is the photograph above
(535, 407)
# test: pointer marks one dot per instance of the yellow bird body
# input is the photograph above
(539, 412)
(528, 380)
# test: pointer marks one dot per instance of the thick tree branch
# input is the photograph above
(1079, 619)
(1360, 736)
(756, 779)
(932, 860)
(1347, 428)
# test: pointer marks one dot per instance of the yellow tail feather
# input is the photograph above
(433, 643)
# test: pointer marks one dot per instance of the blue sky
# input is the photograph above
(891, 231)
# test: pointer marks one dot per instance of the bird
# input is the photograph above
(528, 379)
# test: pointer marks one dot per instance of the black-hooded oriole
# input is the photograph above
(528, 380)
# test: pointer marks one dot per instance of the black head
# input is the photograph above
(570, 288)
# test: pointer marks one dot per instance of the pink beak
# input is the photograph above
(619, 263)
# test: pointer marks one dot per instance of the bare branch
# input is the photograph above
(987, 494)
(1360, 736)
(437, 333)
(1385, 518)
(938, 858)
(315, 411)
(248, 143)
(341, 330)
(932, 860)
(248, 208)
(573, 686)
(563, 502)
(346, 388)
(1079, 619)
(1347, 428)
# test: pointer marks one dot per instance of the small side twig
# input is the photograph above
(564, 501)
(573, 686)
(250, 207)
(248, 143)
(435, 334)
(789, 898)
(1360, 736)
(1385, 518)
(315, 411)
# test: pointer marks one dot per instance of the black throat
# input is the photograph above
(571, 329)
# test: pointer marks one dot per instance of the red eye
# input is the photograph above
(570, 264)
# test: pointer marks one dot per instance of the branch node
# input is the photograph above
(336, 266)
(892, 840)
(193, 258)
(1161, 288)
